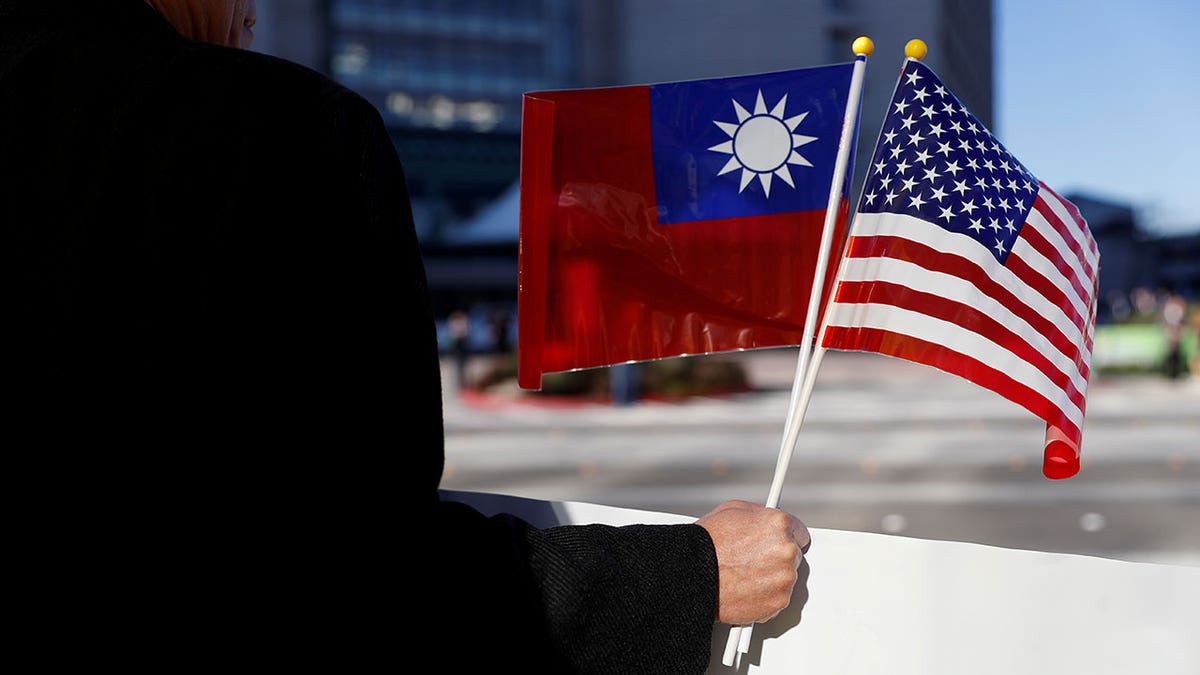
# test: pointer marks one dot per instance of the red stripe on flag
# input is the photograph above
(1046, 288)
(1070, 238)
(970, 318)
(957, 266)
(1038, 242)
(942, 357)
(1079, 226)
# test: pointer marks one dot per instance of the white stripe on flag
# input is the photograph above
(1081, 233)
(964, 341)
(1047, 269)
(957, 289)
(933, 236)
(1052, 235)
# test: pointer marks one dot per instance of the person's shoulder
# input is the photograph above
(292, 114)
(255, 78)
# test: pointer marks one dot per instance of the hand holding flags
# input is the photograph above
(685, 218)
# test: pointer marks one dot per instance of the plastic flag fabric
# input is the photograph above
(959, 258)
(673, 219)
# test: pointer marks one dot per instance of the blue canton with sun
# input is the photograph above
(749, 145)
(763, 144)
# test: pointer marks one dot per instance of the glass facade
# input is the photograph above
(452, 64)
(448, 77)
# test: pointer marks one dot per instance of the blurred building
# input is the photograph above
(1132, 259)
(448, 77)
(1176, 264)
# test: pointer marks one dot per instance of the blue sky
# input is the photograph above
(1102, 97)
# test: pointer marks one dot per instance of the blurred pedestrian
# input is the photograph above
(499, 322)
(1193, 322)
(459, 325)
(625, 381)
(1174, 317)
(226, 350)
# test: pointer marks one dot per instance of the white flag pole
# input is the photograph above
(739, 636)
(914, 50)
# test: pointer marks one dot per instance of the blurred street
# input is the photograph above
(886, 446)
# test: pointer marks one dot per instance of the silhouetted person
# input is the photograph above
(227, 387)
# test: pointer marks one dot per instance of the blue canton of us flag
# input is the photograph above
(935, 161)
(747, 146)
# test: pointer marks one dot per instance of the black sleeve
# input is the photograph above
(570, 599)
(657, 591)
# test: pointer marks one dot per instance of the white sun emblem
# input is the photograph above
(762, 144)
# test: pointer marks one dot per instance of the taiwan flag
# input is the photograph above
(674, 219)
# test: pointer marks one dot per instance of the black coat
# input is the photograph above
(226, 392)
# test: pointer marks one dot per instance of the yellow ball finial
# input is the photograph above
(863, 46)
(915, 49)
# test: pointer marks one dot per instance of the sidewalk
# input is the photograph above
(851, 388)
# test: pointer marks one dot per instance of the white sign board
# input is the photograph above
(873, 604)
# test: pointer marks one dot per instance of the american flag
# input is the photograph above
(959, 258)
